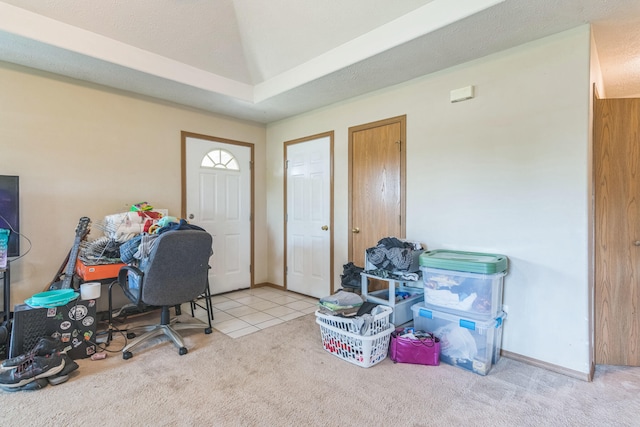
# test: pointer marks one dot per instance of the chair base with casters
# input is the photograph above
(168, 327)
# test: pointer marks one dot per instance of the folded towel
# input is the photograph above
(344, 299)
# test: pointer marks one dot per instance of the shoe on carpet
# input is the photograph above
(44, 346)
(33, 385)
(61, 377)
(32, 369)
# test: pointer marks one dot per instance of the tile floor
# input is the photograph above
(246, 311)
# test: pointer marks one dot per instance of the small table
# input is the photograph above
(6, 278)
(402, 312)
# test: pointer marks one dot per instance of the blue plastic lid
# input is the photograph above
(50, 299)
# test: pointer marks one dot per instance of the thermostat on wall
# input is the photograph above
(462, 94)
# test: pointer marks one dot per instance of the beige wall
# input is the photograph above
(85, 150)
(506, 172)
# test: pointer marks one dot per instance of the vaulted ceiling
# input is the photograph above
(268, 60)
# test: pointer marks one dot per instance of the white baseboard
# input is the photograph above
(584, 376)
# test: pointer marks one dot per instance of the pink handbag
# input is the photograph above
(424, 350)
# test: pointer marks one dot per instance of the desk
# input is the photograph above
(104, 274)
(5, 327)
(402, 312)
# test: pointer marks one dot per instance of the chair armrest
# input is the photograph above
(134, 293)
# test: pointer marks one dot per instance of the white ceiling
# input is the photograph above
(268, 60)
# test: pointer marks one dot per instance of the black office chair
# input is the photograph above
(175, 272)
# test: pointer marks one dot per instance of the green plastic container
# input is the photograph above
(472, 262)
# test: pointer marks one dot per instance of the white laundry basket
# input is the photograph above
(379, 323)
(364, 351)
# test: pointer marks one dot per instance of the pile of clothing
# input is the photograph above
(129, 236)
(136, 251)
(120, 228)
(395, 258)
(351, 306)
(341, 304)
(139, 247)
(458, 293)
(350, 277)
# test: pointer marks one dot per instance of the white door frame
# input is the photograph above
(184, 135)
(329, 135)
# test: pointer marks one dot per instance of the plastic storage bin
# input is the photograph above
(364, 351)
(380, 322)
(469, 344)
(465, 294)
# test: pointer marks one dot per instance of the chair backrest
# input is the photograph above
(177, 268)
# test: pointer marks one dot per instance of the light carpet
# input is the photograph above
(281, 376)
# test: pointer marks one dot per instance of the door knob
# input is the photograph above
(191, 216)
(325, 227)
(637, 243)
(355, 230)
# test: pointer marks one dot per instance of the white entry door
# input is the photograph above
(218, 199)
(308, 226)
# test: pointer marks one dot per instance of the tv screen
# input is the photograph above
(10, 213)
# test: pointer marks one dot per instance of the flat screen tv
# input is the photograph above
(10, 212)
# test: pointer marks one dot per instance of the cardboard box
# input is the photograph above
(96, 272)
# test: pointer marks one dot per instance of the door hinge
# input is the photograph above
(400, 219)
(399, 142)
(286, 164)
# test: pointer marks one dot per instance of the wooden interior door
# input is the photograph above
(617, 231)
(376, 184)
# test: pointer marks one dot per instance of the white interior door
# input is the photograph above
(218, 199)
(309, 217)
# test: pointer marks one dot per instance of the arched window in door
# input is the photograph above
(220, 159)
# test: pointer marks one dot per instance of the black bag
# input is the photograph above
(351, 276)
